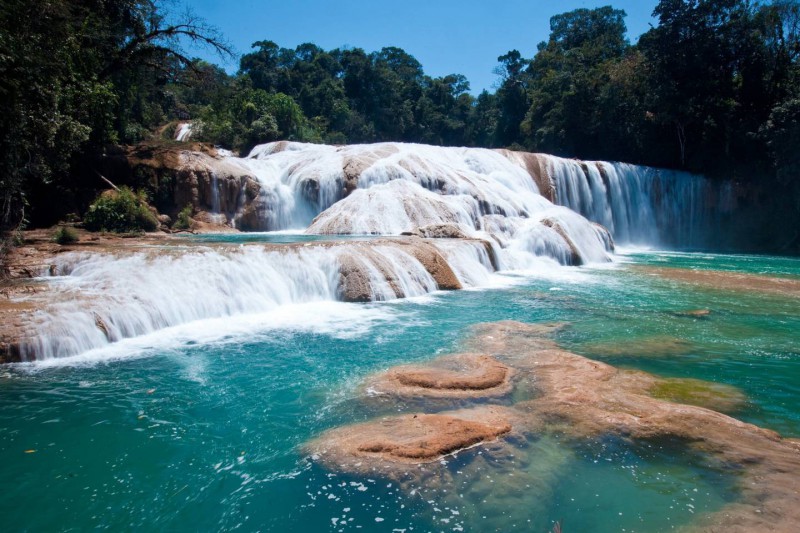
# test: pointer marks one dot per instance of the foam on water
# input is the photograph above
(96, 300)
(335, 319)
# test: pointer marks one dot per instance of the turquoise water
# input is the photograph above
(199, 436)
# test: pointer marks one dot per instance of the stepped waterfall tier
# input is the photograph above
(393, 187)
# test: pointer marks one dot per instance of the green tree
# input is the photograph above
(511, 97)
(75, 76)
(567, 78)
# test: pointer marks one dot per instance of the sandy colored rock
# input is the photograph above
(574, 258)
(354, 280)
(586, 399)
(716, 396)
(441, 231)
(729, 281)
(411, 438)
(359, 262)
(536, 165)
(354, 165)
(436, 265)
(693, 313)
(455, 376)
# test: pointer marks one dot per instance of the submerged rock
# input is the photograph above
(693, 313)
(788, 287)
(412, 438)
(455, 376)
(586, 399)
(650, 346)
(717, 396)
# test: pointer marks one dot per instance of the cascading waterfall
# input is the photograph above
(642, 205)
(184, 132)
(491, 197)
(96, 299)
(390, 188)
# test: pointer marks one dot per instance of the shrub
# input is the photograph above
(184, 220)
(121, 211)
(65, 235)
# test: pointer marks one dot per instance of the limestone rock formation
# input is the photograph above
(360, 263)
(412, 438)
(465, 375)
(536, 166)
(578, 399)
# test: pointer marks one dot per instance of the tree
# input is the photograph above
(567, 78)
(73, 77)
(512, 97)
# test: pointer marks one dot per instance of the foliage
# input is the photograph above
(65, 235)
(184, 220)
(120, 211)
(350, 95)
(75, 76)
(712, 88)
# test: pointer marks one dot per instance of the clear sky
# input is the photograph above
(446, 36)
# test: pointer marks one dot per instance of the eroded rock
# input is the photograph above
(730, 281)
(455, 376)
(412, 438)
(581, 399)
(649, 346)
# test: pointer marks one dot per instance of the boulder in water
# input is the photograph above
(413, 438)
(466, 375)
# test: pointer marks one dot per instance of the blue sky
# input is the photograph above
(446, 36)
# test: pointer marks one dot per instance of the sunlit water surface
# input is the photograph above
(201, 428)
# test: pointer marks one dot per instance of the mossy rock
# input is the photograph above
(716, 396)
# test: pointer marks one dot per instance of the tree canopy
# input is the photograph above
(713, 87)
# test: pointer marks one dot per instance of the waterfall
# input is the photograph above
(495, 203)
(642, 205)
(390, 188)
(95, 299)
(184, 132)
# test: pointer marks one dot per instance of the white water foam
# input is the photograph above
(335, 319)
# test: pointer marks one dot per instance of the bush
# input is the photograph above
(121, 211)
(65, 235)
(184, 218)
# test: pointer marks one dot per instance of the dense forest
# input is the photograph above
(713, 88)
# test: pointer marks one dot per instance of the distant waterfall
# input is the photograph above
(642, 205)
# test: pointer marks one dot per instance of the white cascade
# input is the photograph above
(95, 299)
(642, 205)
